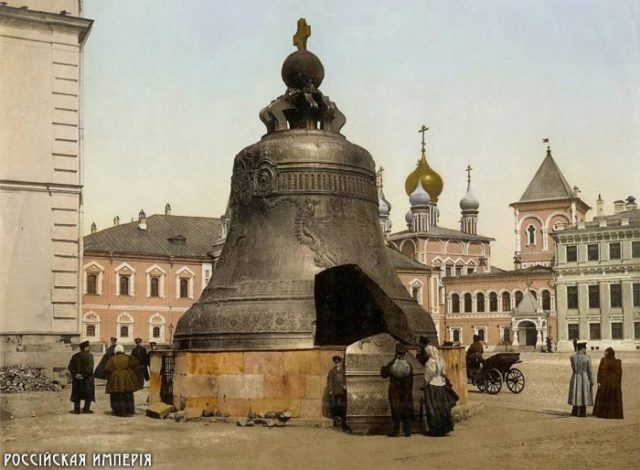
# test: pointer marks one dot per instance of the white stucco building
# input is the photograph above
(598, 279)
(41, 44)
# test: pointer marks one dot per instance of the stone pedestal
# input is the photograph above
(237, 383)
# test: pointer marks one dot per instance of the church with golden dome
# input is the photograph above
(449, 252)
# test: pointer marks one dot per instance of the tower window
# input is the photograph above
(531, 235)
(572, 254)
(506, 302)
(572, 297)
(493, 302)
(593, 253)
(546, 300)
(467, 303)
(614, 250)
(480, 302)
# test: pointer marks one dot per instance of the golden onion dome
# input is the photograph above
(431, 181)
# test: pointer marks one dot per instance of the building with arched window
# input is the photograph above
(140, 277)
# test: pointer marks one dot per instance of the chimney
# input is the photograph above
(116, 220)
(142, 220)
(599, 207)
(631, 203)
(167, 209)
(94, 229)
(618, 206)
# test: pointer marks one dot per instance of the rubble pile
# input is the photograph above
(269, 419)
(21, 378)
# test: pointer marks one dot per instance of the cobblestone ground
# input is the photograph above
(529, 430)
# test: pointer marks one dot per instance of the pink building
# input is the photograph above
(140, 277)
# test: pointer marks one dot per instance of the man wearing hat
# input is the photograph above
(337, 387)
(580, 395)
(82, 385)
(422, 356)
(140, 353)
(400, 375)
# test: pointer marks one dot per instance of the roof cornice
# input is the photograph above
(22, 17)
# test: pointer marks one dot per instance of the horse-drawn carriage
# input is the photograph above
(489, 374)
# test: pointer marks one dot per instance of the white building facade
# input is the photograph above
(41, 45)
(598, 280)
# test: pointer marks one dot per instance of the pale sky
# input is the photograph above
(172, 91)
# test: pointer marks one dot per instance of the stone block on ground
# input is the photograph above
(159, 410)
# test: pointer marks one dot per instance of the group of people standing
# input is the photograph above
(608, 401)
(438, 397)
(124, 374)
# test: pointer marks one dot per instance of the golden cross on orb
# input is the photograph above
(422, 130)
(468, 170)
(301, 36)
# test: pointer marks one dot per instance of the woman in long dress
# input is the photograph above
(608, 402)
(122, 382)
(436, 399)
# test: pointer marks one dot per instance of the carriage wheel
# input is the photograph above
(492, 381)
(515, 380)
(481, 384)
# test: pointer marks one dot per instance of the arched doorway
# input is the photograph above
(527, 333)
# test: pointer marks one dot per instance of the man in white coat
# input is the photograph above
(580, 395)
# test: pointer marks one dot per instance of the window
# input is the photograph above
(593, 253)
(92, 284)
(635, 249)
(125, 327)
(531, 235)
(614, 250)
(480, 302)
(594, 296)
(506, 302)
(458, 270)
(470, 270)
(155, 287)
(615, 291)
(456, 335)
(409, 249)
(574, 331)
(415, 291)
(546, 300)
(156, 327)
(481, 334)
(455, 303)
(467, 303)
(91, 326)
(594, 330)
(572, 254)
(636, 329)
(155, 277)
(636, 295)
(184, 288)
(493, 302)
(518, 297)
(448, 270)
(616, 330)
(124, 285)
(572, 296)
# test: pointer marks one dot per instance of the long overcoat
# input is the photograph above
(84, 388)
(400, 391)
(122, 374)
(581, 380)
(101, 371)
(608, 402)
(140, 353)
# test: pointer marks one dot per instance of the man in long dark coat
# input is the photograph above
(140, 353)
(101, 371)
(82, 386)
(400, 375)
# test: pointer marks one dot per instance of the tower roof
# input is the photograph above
(548, 183)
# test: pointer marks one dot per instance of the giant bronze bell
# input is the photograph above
(304, 263)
